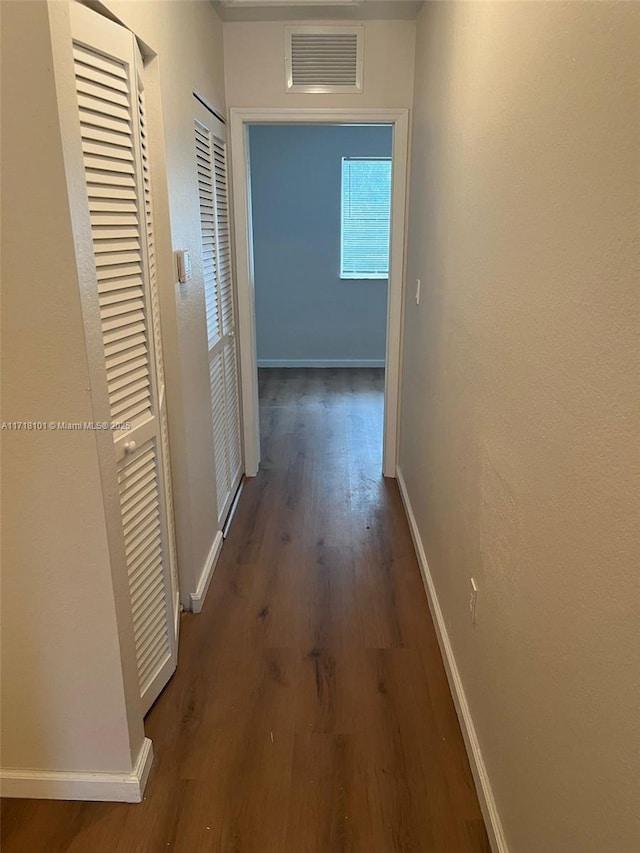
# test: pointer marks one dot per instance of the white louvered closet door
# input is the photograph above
(211, 164)
(113, 130)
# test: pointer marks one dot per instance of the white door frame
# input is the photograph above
(240, 120)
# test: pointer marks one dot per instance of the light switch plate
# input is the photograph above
(183, 257)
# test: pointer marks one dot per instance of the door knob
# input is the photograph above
(130, 447)
(232, 334)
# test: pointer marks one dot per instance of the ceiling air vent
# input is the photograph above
(324, 59)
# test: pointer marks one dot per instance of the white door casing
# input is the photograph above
(241, 118)
(109, 79)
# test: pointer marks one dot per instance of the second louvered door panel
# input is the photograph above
(109, 88)
(211, 166)
(164, 460)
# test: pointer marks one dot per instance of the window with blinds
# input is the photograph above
(365, 218)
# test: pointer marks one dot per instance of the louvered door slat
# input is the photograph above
(218, 417)
(107, 232)
(223, 245)
(132, 390)
(140, 466)
(106, 178)
(153, 608)
(96, 63)
(121, 373)
(115, 272)
(119, 355)
(232, 411)
(118, 295)
(136, 500)
(123, 219)
(171, 555)
(144, 553)
(126, 300)
(106, 190)
(120, 351)
(139, 516)
(109, 286)
(132, 407)
(105, 136)
(142, 589)
(98, 119)
(207, 233)
(146, 632)
(147, 605)
(119, 244)
(98, 107)
(151, 664)
(113, 168)
(101, 89)
(148, 565)
(151, 656)
(132, 331)
(144, 547)
(119, 320)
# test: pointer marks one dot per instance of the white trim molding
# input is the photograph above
(320, 362)
(198, 597)
(483, 785)
(70, 785)
(240, 120)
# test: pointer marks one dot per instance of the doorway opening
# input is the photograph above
(314, 288)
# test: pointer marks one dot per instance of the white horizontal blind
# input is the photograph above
(365, 219)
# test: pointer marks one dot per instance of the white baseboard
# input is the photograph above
(69, 785)
(321, 362)
(483, 785)
(198, 597)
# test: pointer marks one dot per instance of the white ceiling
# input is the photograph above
(334, 10)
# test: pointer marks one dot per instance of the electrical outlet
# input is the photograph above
(417, 291)
(473, 600)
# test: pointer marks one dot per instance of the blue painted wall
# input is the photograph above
(304, 311)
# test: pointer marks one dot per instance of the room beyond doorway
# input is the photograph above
(241, 122)
(320, 243)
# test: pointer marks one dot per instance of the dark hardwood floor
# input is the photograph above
(310, 712)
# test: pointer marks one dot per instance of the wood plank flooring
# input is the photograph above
(310, 712)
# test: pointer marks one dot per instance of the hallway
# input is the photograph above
(310, 712)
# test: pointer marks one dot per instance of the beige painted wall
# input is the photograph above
(519, 439)
(187, 38)
(254, 67)
(64, 664)
(64, 705)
